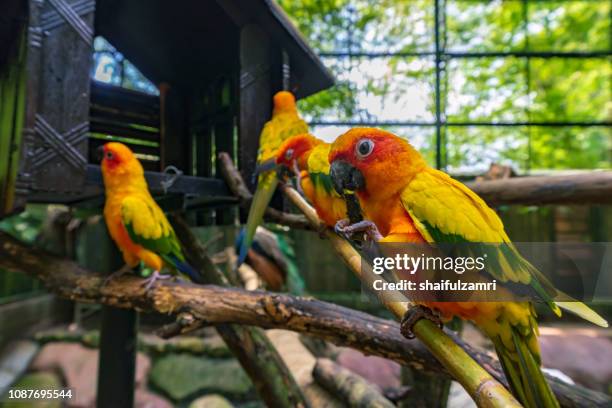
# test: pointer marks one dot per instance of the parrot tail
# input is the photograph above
(184, 268)
(521, 363)
(261, 199)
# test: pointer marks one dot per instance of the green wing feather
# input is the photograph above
(147, 226)
(444, 210)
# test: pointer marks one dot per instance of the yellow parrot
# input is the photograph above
(134, 220)
(405, 200)
(306, 156)
(285, 122)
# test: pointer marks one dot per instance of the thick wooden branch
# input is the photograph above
(236, 184)
(585, 188)
(256, 353)
(215, 305)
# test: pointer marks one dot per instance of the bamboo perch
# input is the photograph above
(213, 305)
(484, 389)
(594, 187)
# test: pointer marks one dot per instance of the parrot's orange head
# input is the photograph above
(295, 148)
(372, 161)
(284, 101)
(119, 162)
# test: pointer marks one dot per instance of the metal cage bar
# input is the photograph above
(441, 55)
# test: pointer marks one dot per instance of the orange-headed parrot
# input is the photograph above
(306, 156)
(408, 201)
(134, 220)
(285, 122)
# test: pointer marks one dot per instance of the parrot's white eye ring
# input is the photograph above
(289, 154)
(364, 148)
(109, 155)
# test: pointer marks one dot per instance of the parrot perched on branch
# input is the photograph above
(285, 122)
(134, 220)
(306, 157)
(405, 200)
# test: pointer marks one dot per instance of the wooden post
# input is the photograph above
(224, 135)
(118, 328)
(117, 364)
(255, 96)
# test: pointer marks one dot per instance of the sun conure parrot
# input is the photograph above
(285, 122)
(134, 220)
(408, 201)
(306, 156)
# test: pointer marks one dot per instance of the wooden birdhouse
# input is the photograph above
(215, 65)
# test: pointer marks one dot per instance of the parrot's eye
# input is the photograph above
(364, 148)
(289, 154)
(109, 155)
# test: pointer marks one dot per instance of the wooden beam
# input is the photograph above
(255, 96)
(585, 188)
(213, 305)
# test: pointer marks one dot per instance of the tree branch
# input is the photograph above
(256, 353)
(215, 305)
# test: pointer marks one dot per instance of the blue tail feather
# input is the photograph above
(241, 246)
(186, 269)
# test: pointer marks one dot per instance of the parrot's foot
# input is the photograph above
(151, 280)
(344, 227)
(413, 315)
(124, 270)
(298, 178)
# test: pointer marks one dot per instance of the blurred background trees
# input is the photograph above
(525, 64)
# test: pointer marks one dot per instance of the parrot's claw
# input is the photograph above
(413, 315)
(151, 280)
(124, 270)
(344, 227)
(341, 226)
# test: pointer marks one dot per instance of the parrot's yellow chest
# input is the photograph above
(118, 232)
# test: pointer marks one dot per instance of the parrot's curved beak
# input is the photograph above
(284, 172)
(346, 178)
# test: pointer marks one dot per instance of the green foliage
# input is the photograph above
(493, 89)
(24, 226)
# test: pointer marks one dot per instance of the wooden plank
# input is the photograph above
(255, 96)
(115, 96)
(175, 148)
(123, 116)
(60, 68)
(98, 125)
(224, 138)
(136, 148)
(198, 186)
(583, 188)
